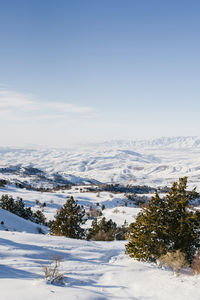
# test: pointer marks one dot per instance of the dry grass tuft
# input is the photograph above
(51, 272)
(196, 264)
(174, 260)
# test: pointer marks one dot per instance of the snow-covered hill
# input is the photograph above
(152, 162)
(11, 222)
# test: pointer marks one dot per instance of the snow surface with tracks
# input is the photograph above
(92, 270)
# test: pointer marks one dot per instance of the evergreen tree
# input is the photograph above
(7, 202)
(104, 229)
(39, 217)
(20, 208)
(121, 232)
(166, 225)
(22, 211)
(68, 220)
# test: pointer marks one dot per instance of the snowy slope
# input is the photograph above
(92, 270)
(11, 222)
(152, 162)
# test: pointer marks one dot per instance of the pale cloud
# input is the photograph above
(20, 105)
(70, 108)
(13, 100)
(29, 120)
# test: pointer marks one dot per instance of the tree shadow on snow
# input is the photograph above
(10, 272)
(44, 255)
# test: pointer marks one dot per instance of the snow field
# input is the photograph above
(92, 270)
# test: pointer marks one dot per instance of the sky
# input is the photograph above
(91, 70)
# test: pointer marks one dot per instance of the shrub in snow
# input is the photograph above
(174, 260)
(2, 182)
(51, 272)
(140, 200)
(102, 230)
(103, 236)
(40, 230)
(68, 220)
(37, 202)
(196, 263)
(166, 225)
(103, 207)
(93, 213)
(122, 232)
(39, 217)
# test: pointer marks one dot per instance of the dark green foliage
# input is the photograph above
(102, 230)
(68, 220)
(166, 225)
(7, 203)
(3, 182)
(103, 207)
(18, 208)
(137, 200)
(39, 217)
(121, 232)
(118, 188)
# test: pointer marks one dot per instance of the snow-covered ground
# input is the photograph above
(152, 162)
(92, 270)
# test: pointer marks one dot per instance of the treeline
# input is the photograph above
(26, 186)
(134, 189)
(18, 208)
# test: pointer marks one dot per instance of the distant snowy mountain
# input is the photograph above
(155, 162)
(163, 142)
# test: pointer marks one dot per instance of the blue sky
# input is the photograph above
(79, 70)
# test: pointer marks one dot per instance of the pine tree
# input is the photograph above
(7, 203)
(22, 211)
(68, 220)
(105, 230)
(39, 217)
(166, 225)
(20, 208)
